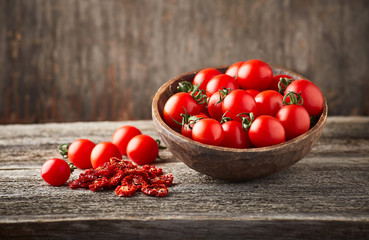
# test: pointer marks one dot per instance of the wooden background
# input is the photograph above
(71, 60)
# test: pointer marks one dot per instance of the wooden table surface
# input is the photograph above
(324, 196)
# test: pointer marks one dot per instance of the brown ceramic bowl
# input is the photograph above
(228, 163)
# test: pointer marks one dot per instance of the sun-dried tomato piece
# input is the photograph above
(166, 179)
(138, 172)
(125, 190)
(152, 170)
(155, 190)
(117, 178)
(99, 183)
(134, 180)
(122, 164)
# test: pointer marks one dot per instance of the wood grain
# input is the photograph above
(324, 196)
(70, 60)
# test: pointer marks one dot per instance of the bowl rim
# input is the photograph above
(157, 116)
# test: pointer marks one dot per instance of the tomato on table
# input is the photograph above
(208, 131)
(265, 131)
(313, 99)
(123, 135)
(268, 102)
(55, 171)
(219, 82)
(142, 149)
(79, 153)
(204, 76)
(102, 153)
(254, 74)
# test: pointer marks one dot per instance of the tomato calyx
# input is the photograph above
(246, 121)
(225, 118)
(63, 149)
(185, 86)
(223, 93)
(283, 84)
(159, 144)
(72, 167)
(295, 98)
(198, 95)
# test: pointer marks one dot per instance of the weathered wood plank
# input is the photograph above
(324, 196)
(70, 60)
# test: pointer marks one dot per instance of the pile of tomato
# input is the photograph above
(245, 107)
(105, 168)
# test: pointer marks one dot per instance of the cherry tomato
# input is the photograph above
(208, 131)
(254, 74)
(55, 171)
(219, 82)
(268, 102)
(215, 104)
(178, 104)
(142, 149)
(295, 120)
(266, 131)
(275, 80)
(310, 93)
(233, 69)
(122, 136)
(186, 129)
(238, 101)
(234, 135)
(79, 153)
(204, 76)
(102, 153)
(253, 92)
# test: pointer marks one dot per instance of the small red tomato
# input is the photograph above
(122, 136)
(233, 69)
(234, 135)
(208, 131)
(204, 76)
(275, 80)
(102, 153)
(253, 92)
(55, 171)
(268, 102)
(219, 82)
(254, 74)
(142, 149)
(238, 101)
(79, 153)
(178, 104)
(186, 129)
(310, 93)
(215, 104)
(295, 120)
(266, 131)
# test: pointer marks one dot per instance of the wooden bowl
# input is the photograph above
(228, 163)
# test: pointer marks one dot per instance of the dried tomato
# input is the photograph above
(99, 184)
(155, 190)
(166, 179)
(136, 181)
(125, 191)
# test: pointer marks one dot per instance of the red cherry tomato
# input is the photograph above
(102, 153)
(268, 102)
(55, 171)
(266, 131)
(176, 105)
(215, 104)
(233, 69)
(208, 131)
(254, 74)
(234, 135)
(186, 129)
(275, 80)
(122, 136)
(238, 101)
(310, 93)
(79, 153)
(204, 76)
(219, 82)
(295, 120)
(142, 149)
(253, 92)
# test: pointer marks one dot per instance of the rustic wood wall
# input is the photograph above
(72, 60)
